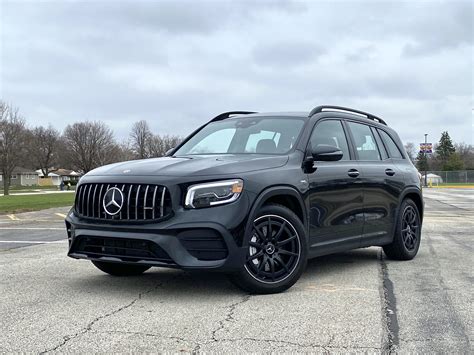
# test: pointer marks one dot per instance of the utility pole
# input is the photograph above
(426, 161)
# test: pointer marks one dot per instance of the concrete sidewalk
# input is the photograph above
(39, 192)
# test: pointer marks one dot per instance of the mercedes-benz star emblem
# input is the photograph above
(113, 201)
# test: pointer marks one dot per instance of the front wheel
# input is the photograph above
(117, 269)
(277, 252)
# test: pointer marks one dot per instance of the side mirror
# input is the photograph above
(323, 152)
(169, 152)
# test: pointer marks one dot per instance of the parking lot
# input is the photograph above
(354, 301)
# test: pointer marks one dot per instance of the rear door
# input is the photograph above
(335, 194)
(381, 180)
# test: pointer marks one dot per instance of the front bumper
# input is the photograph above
(207, 238)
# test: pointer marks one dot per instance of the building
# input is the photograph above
(22, 177)
(56, 176)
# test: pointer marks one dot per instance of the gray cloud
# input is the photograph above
(177, 63)
(286, 53)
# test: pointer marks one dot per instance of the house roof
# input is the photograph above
(65, 172)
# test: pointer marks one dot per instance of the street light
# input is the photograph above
(426, 161)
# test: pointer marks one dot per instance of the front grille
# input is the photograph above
(129, 250)
(204, 244)
(140, 201)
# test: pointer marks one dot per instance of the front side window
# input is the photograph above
(245, 135)
(391, 145)
(331, 133)
(364, 141)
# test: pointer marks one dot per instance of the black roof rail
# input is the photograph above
(348, 110)
(225, 115)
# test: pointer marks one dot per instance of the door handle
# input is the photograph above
(389, 172)
(353, 173)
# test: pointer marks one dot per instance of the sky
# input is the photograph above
(177, 64)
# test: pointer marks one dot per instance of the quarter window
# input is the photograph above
(332, 133)
(364, 141)
(391, 145)
(382, 150)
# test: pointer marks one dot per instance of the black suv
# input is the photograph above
(254, 195)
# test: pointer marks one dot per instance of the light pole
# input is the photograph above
(426, 161)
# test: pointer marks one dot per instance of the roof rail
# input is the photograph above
(225, 115)
(345, 109)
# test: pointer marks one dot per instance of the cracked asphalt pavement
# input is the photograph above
(355, 301)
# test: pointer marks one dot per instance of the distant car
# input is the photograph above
(254, 195)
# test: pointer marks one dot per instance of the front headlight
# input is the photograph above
(213, 193)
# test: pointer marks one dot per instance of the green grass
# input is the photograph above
(455, 184)
(24, 203)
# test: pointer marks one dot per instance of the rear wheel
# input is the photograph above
(406, 241)
(117, 269)
(277, 252)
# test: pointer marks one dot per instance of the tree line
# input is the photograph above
(81, 146)
(446, 155)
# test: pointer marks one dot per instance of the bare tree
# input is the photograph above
(12, 136)
(159, 145)
(90, 145)
(466, 153)
(126, 152)
(43, 147)
(140, 137)
(411, 151)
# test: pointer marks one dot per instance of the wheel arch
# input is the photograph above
(286, 196)
(416, 195)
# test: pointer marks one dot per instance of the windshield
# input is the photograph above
(245, 135)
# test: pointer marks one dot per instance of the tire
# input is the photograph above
(406, 240)
(117, 269)
(274, 262)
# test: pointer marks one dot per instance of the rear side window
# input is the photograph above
(364, 141)
(392, 148)
(331, 133)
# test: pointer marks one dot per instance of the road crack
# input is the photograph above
(89, 326)
(229, 317)
(390, 340)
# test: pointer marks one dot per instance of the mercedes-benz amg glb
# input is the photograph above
(254, 195)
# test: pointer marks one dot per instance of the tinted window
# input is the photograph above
(245, 135)
(392, 148)
(331, 133)
(364, 141)
(382, 150)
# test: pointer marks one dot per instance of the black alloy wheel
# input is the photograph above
(410, 228)
(274, 249)
(407, 237)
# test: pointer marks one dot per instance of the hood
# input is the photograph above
(195, 165)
